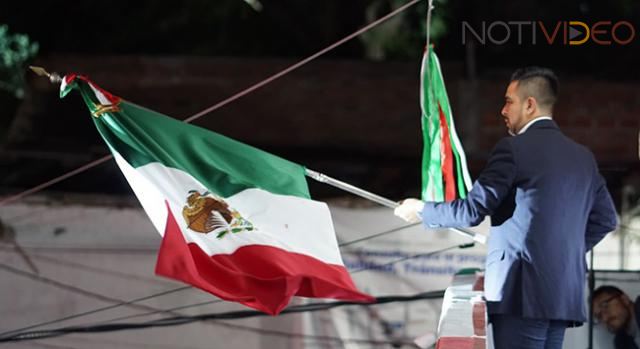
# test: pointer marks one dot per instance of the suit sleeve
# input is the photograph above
(602, 217)
(492, 186)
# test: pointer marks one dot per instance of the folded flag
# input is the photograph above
(445, 176)
(236, 221)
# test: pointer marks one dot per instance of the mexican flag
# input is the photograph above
(236, 221)
(445, 176)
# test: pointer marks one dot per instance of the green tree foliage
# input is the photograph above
(403, 36)
(15, 52)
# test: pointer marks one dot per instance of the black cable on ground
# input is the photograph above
(180, 320)
(134, 301)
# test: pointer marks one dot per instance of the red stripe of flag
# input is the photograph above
(258, 276)
(447, 159)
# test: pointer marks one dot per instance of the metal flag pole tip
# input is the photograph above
(53, 77)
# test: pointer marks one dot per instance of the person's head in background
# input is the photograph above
(612, 308)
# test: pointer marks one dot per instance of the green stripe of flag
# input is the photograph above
(432, 185)
(434, 93)
(144, 136)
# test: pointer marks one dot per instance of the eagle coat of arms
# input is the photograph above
(207, 213)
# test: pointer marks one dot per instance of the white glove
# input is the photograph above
(410, 210)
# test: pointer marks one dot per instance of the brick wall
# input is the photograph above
(604, 116)
(358, 118)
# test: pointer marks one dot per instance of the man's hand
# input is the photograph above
(410, 210)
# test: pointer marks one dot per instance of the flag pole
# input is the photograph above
(430, 4)
(322, 178)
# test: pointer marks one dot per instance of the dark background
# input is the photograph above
(348, 114)
(296, 28)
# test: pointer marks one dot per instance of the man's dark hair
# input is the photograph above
(607, 289)
(539, 83)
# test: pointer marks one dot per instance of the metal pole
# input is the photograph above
(430, 4)
(322, 178)
(592, 284)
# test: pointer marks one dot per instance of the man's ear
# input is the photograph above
(530, 105)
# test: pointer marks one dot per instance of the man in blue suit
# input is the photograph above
(548, 205)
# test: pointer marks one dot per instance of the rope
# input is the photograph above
(222, 103)
(133, 301)
(241, 314)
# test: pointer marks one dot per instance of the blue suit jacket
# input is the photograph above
(548, 205)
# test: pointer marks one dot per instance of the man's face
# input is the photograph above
(611, 311)
(513, 111)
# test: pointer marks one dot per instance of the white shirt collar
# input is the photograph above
(539, 118)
